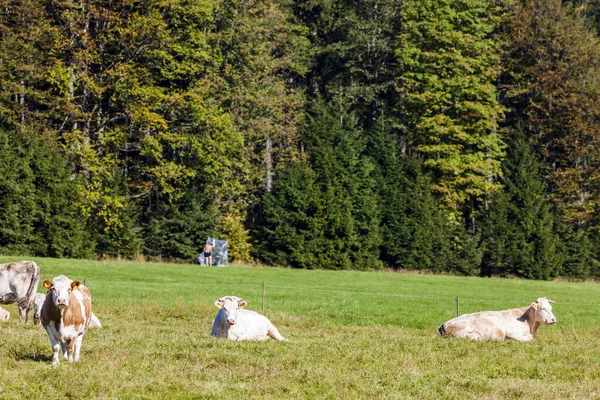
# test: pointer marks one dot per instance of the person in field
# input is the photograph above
(208, 250)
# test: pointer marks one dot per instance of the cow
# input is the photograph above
(4, 315)
(236, 323)
(66, 314)
(519, 324)
(39, 301)
(18, 284)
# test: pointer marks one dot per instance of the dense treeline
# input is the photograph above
(457, 136)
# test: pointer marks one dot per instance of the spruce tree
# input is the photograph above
(519, 233)
(325, 214)
(178, 230)
(416, 234)
(38, 212)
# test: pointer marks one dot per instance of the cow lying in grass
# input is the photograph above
(65, 315)
(518, 323)
(236, 323)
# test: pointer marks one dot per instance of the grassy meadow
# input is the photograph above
(352, 335)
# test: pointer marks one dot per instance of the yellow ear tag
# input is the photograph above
(535, 306)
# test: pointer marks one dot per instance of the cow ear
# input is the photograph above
(47, 284)
(75, 285)
(242, 303)
(535, 305)
(219, 303)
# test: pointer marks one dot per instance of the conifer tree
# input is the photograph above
(519, 233)
(38, 212)
(325, 214)
(449, 60)
(416, 234)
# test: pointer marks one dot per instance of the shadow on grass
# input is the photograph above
(23, 356)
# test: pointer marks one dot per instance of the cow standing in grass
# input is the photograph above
(18, 284)
(65, 315)
(38, 303)
(236, 323)
(518, 323)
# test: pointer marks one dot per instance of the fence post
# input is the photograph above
(263, 298)
(457, 313)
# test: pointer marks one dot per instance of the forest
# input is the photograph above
(450, 136)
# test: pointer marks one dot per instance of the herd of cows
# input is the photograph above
(65, 313)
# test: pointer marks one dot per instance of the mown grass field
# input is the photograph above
(352, 335)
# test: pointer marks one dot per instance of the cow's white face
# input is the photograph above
(544, 311)
(231, 307)
(61, 288)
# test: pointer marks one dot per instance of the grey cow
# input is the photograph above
(18, 284)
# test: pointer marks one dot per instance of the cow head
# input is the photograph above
(60, 289)
(38, 302)
(543, 309)
(231, 306)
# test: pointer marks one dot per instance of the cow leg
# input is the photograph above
(28, 311)
(55, 346)
(70, 345)
(521, 337)
(22, 312)
(64, 350)
(78, 342)
(274, 333)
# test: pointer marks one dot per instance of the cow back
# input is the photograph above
(19, 282)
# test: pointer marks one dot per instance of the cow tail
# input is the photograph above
(35, 280)
(442, 330)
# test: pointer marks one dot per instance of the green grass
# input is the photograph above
(351, 335)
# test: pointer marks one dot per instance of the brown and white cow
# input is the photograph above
(518, 323)
(38, 303)
(18, 284)
(66, 314)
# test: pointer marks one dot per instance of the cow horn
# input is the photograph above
(551, 301)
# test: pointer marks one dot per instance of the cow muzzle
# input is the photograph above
(231, 321)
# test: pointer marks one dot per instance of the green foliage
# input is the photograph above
(38, 213)
(332, 202)
(179, 118)
(416, 234)
(520, 237)
(178, 230)
(449, 59)
(552, 88)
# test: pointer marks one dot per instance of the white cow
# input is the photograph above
(4, 315)
(39, 301)
(518, 323)
(18, 284)
(236, 323)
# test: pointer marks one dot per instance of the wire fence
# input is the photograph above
(459, 300)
